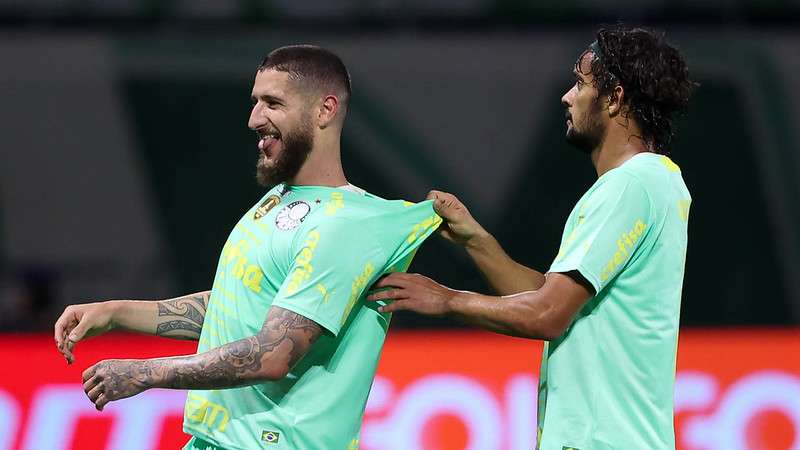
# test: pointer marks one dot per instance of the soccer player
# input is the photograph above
(608, 307)
(287, 346)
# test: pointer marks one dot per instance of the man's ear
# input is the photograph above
(616, 101)
(328, 110)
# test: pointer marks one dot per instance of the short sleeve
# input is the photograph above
(403, 230)
(608, 229)
(335, 261)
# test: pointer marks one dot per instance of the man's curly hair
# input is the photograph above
(652, 73)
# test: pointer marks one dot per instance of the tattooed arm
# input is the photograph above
(269, 355)
(179, 318)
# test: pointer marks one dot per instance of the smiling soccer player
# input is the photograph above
(287, 346)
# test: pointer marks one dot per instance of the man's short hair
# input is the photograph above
(315, 67)
(653, 74)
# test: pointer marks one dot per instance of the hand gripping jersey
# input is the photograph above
(315, 251)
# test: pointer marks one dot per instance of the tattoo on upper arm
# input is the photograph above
(282, 341)
(182, 317)
(283, 328)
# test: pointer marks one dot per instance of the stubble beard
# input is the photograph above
(297, 145)
(593, 132)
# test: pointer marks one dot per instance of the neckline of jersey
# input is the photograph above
(353, 189)
(628, 161)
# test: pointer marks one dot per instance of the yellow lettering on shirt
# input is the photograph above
(357, 288)
(303, 267)
(231, 251)
(250, 274)
(238, 269)
(324, 291)
(625, 245)
(252, 278)
(201, 411)
(419, 229)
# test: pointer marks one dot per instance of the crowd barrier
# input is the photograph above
(449, 390)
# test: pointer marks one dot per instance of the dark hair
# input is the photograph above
(319, 68)
(652, 73)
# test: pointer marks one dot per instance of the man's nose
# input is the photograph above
(256, 120)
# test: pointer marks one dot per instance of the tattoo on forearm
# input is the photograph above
(182, 317)
(282, 341)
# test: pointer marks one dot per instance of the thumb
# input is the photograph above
(440, 206)
(79, 331)
(74, 336)
(448, 210)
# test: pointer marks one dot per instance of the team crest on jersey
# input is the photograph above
(270, 437)
(292, 215)
(266, 206)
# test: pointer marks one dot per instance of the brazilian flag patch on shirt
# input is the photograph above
(569, 448)
(270, 437)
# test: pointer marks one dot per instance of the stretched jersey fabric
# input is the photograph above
(315, 251)
(607, 382)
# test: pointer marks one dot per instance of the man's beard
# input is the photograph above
(592, 135)
(296, 147)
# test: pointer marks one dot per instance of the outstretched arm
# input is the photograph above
(542, 314)
(269, 355)
(504, 275)
(179, 318)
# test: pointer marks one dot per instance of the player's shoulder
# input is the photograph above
(625, 178)
(342, 210)
(329, 219)
(658, 174)
(353, 206)
(619, 187)
(644, 171)
(650, 167)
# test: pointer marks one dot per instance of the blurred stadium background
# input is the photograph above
(120, 120)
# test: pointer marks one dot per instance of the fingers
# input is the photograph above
(77, 333)
(93, 391)
(440, 195)
(89, 373)
(67, 350)
(80, 330)
(59, 329)
(389, 294)
(399, 305)
(65, 323)
(89, 383)
(94, 388)
(395, 279)
(440, 198)
(101, 402)
(447, 205)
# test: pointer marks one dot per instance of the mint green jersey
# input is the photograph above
(607, 382)
(315, 251)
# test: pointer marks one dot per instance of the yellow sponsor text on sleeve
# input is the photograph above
(625, 245)
(303, 268)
